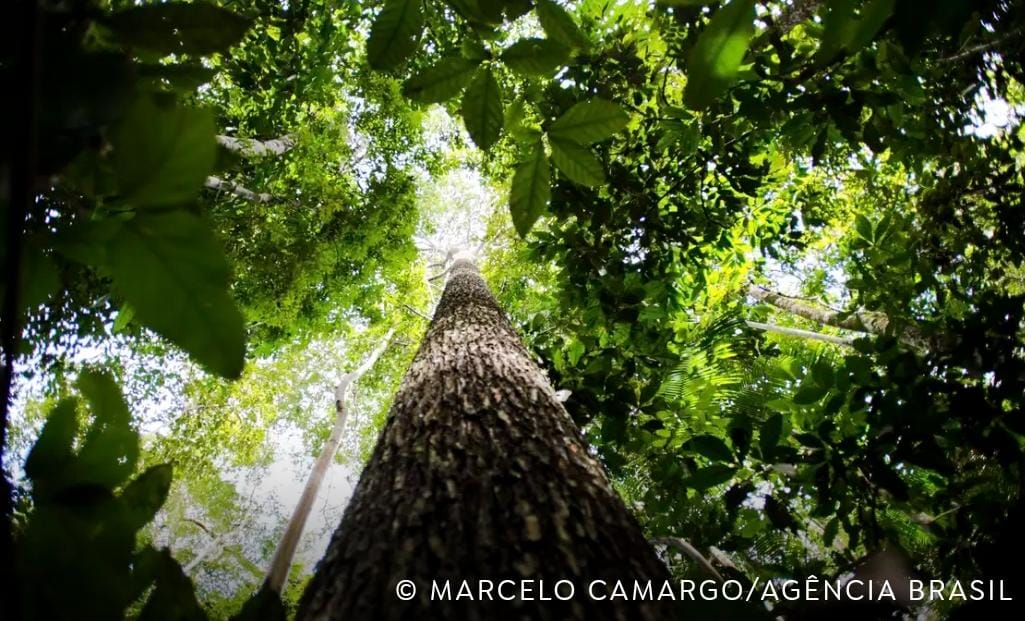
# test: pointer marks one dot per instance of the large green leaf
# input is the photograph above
(589, 121)
(531, 189)
(714, 63)
(482, 109)
(704, 478)
(178, 27)
(710, 447)
(162, 154)
(395, 33)
(576, 162)
(559, 25)
(441, 82)
(535, 56)
(170, 268)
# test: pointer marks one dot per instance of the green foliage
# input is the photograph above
(530, 189)
(714, 63)
(76, 553)
(395, 33)
(482, 109)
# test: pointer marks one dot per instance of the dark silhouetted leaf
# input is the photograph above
(178, 27)
(441, 82)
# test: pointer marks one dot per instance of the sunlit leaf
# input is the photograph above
(714, 63)
(395, 33)
(589, 121)
(577, 163)
(531, 189)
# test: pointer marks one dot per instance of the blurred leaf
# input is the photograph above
(52, 451)
(535, 56)
(714, 63)
(704, 478)
(710, 447)
(442, 81)
(559, 25)
(144, 495)
(162, 154)
(199, 28)
(171, 269)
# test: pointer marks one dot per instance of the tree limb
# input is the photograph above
(250, 147)
(806, 334)
(216, 183)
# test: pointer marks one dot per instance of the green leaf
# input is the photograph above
(769, 435)
(162, 155)
(111, 447)
(395, 33)
(822, 373)
(714, 63)
(441, 82)
(53, 449)
(704, 478)
(535, 56)
(531, 190)
(863, 227)
(589, 121)
(171, 269)
(124, 317)
(577, 163)
(809, 394)
(710, 447)
(143, 497)
(198, 28)
(559, 25)
(482, 109)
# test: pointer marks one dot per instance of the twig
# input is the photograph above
(683, 546)
(416, 312)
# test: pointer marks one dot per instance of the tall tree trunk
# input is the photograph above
(285, 552)
(480, 473)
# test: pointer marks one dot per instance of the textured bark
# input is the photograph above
(250, 147)
(871, 323)
(216, 183)
(285, 552)
(479, 473)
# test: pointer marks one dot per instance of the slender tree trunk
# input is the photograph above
(480, 473)
(804, 334)
(871, 323)
(285, 552)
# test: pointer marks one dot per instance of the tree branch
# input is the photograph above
(250, 147)
(216, 183)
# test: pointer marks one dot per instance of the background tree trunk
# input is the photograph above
(285, 552)
(480, 473)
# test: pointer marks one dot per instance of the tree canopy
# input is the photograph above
(772, 252)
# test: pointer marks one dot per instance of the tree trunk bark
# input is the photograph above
(480, 474)
(869, 322)
(285, 552)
